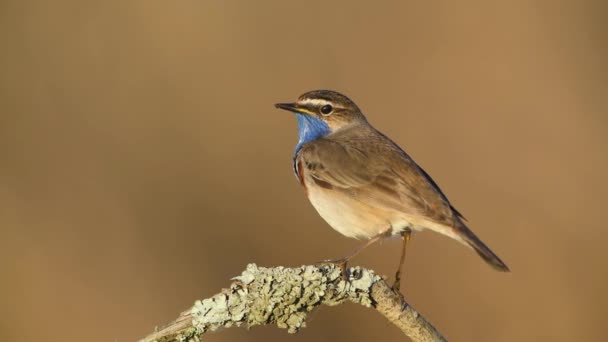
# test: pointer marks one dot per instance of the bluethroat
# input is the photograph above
(364, 185)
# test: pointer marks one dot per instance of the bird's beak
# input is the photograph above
(294, 107)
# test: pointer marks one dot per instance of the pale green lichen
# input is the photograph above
(281, 295)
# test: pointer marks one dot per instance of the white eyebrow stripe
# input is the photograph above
(314, 102)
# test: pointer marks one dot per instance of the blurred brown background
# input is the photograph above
(142, 163)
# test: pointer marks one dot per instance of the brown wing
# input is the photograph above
(377, 173)
(338, 165)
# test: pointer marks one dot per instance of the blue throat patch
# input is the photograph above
(310, 128)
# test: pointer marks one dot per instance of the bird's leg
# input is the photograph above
(343, 261)
(405, 235)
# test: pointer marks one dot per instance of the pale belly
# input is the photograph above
(353, 218)
(356, 219)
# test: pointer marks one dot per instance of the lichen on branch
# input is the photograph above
(284, 296)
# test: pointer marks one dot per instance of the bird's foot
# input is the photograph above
(342, 262)
(397, 284)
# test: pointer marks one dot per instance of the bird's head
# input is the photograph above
(322, 112)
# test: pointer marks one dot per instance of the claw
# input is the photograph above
(397, 284)
(339, 263)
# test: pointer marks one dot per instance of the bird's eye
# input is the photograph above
(326, 110)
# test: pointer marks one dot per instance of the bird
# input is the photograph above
(364, 185)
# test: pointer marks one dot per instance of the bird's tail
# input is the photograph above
(478, 246)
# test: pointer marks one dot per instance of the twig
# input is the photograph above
(284, 296)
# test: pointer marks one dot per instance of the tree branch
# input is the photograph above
(284, 296)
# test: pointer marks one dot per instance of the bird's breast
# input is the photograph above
(347, 215)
